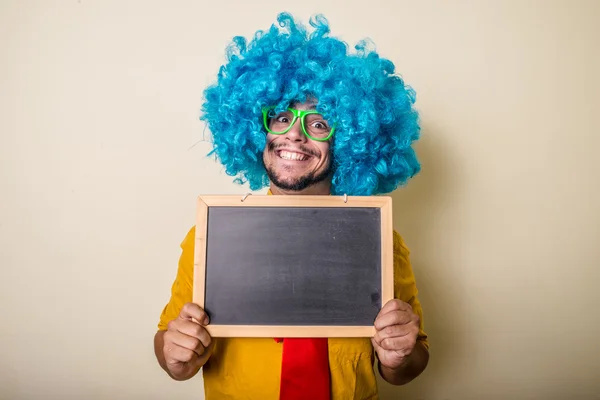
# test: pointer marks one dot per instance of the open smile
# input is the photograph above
(292, 155)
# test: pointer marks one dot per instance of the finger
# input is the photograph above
(393, 318)
(376, 346)
(194, 311)
(393, 305)
(393, 331)
(403, 344)
(179, 339)
(177, 354)
(195, 331)
(192, 329)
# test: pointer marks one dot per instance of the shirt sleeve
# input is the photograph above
(181, 289)
(405, 286)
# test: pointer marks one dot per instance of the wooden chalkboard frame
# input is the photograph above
(384, 203)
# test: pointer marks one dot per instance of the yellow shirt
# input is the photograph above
(250, 368)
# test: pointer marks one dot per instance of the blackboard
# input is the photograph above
(293, 266)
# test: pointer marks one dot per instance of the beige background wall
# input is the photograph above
(101, 159)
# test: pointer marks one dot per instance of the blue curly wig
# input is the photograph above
(371, 106)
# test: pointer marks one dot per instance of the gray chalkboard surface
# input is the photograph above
(293, 265)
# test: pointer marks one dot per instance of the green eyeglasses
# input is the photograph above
(314, 126)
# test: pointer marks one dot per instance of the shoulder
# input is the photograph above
(400, 248)
(189, 239)
(186, 260)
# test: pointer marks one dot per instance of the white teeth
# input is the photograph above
(287, 155)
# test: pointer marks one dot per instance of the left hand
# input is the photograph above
(397, 329)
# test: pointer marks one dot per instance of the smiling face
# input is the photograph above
(295, 163)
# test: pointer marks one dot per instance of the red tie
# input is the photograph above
(304, 369)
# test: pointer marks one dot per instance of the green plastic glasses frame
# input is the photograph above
(297, 114)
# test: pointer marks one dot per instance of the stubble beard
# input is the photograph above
(297, 184)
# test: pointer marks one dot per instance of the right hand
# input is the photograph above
(187, 344)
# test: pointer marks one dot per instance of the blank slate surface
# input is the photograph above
(277, 266)
(292, 266)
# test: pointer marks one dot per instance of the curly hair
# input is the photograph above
(376, 122)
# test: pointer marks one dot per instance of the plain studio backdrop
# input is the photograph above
(103, 155)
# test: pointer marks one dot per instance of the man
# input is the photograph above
(300, 114)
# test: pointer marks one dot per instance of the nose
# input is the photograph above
(295, 133)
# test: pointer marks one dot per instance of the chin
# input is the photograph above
(296, 182)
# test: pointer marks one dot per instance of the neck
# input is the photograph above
(319, 189)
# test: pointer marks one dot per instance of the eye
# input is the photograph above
(282, 118)
(320, 125)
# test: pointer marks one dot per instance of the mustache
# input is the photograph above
(310, 152)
